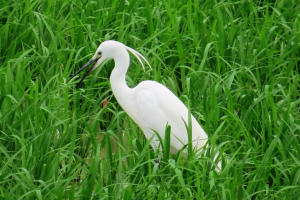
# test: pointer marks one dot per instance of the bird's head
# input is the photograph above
(106, 50)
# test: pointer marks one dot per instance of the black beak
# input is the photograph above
(82, 68)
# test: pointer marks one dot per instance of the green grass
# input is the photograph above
(235, 63)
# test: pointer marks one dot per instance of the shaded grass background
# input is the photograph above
(235, 63)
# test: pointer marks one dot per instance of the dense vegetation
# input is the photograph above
(235, 63)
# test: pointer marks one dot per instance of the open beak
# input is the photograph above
(85, 66)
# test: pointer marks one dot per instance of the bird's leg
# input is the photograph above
(159, 157)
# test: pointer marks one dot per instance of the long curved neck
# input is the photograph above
(117, 77)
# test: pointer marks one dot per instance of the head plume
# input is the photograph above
(138, 56)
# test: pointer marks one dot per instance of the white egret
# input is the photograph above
(150, 104)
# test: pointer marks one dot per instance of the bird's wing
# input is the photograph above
(157, 106)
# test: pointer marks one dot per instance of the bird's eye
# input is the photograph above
(99, 53)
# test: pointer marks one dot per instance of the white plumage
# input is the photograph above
(150, 104)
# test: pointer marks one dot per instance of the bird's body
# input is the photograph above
(150, 104)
